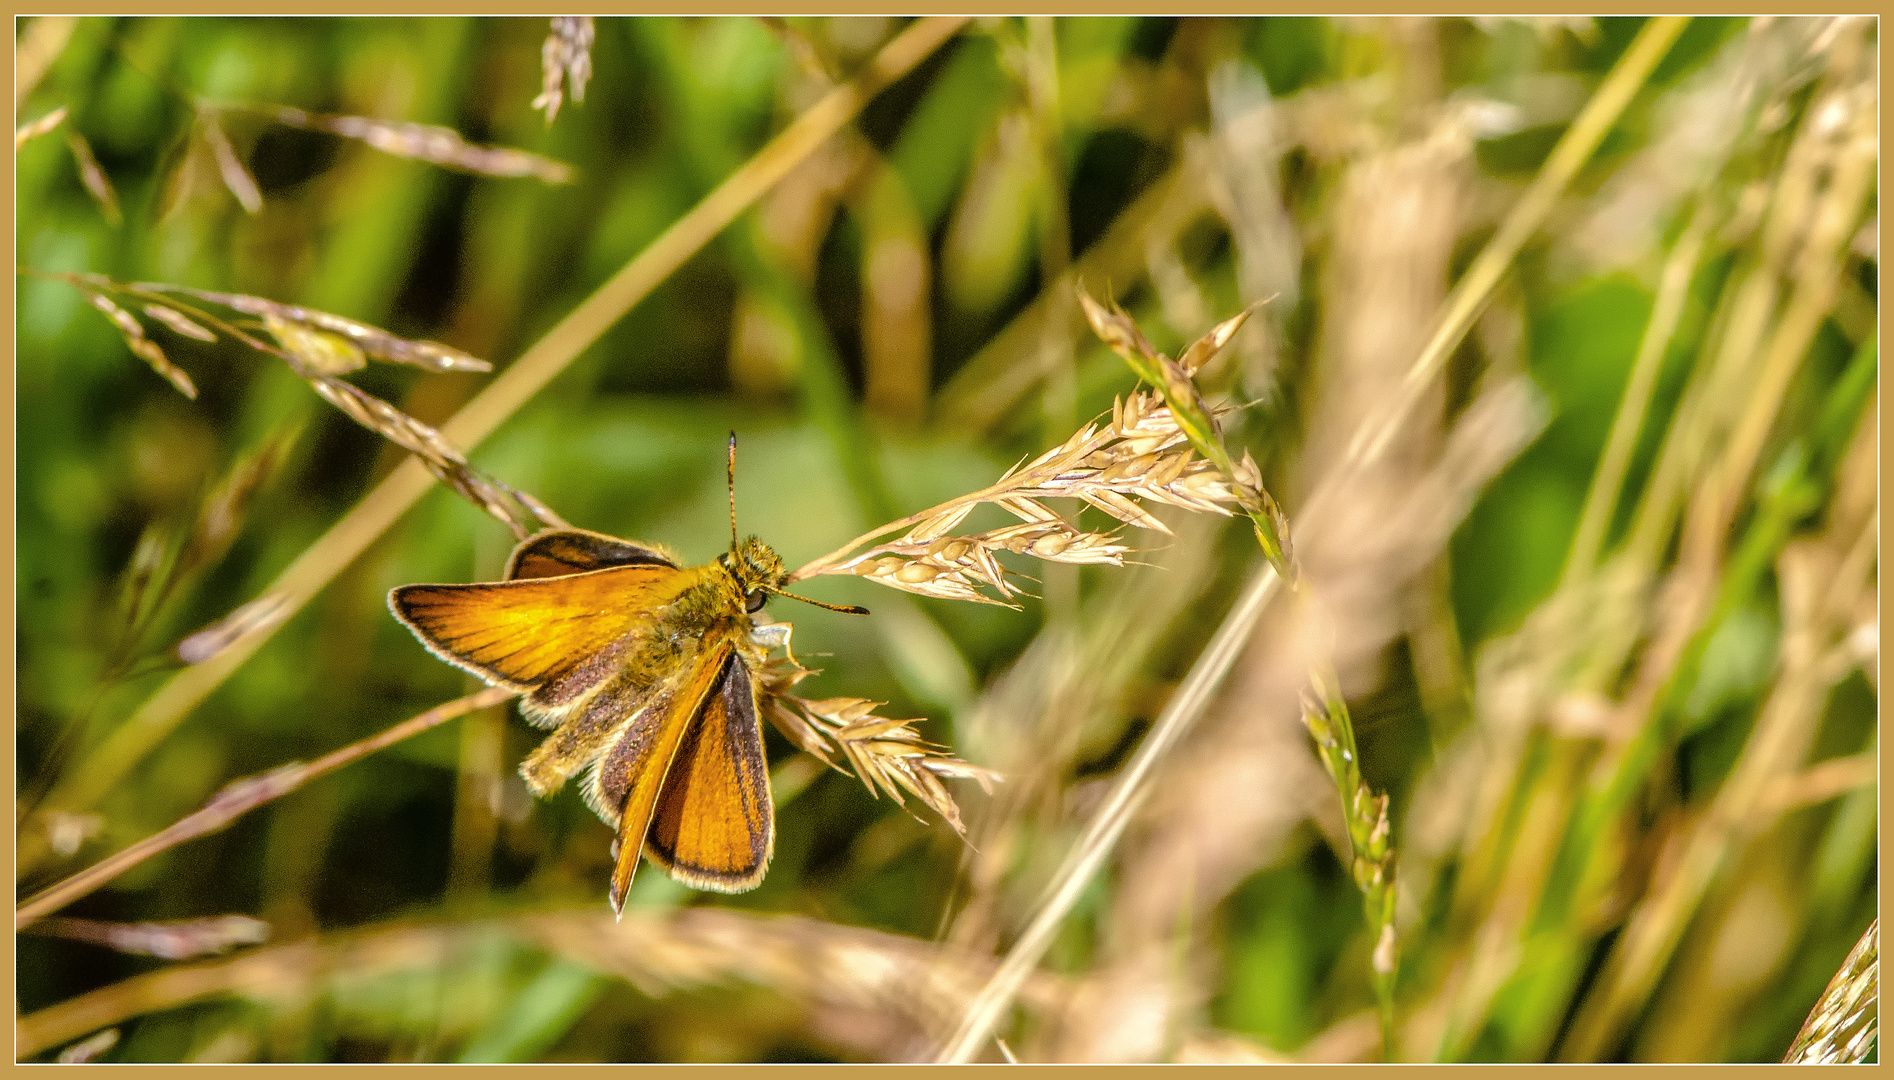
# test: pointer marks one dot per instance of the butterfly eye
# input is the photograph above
(754, 602)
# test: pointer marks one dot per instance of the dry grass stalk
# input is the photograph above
(237, 798)
(1755, 401)
(865, 971)
(1820, 581)
(1818, 783)
(1398, 213)
(423, 142)
(1370, 439)
(516, 509)
(35, 50)
(1185, 417)
(1108, 823)
(25, 133)
(1697, 128)
(378, 510)
(96, 182)
(885, 755)
(922, 983)
(565, 58)
(1470, 294)
(182, 939)
(1063, 698)
(1575, 648)
(1845, 1024)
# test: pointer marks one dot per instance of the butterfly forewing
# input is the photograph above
(525, 635)
(557, 552)
(713, 827)
(637, 763)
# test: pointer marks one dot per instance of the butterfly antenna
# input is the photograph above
(846, 610)
(732, 474)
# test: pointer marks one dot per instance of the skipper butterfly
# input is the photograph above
(646, 670)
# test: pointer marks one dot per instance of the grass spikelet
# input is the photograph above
(513, 508)
(146, 349)
(178, 322)
(88, 1049)
(181, 181)
(427, 142)
(94, 178)
(222, 514)
(565, 58)
(1140, 456)
(265, 611)
(1845, 1024)
(318, 346)
(235, 175)
(373, 341)
(1325, 715)
(886, 755)
(181, 939)
(1193, 418)
(319, 350)
(28, 132)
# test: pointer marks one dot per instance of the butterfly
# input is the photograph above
(646, 671)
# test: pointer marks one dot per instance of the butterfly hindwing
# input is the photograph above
(713, 827)
(557, 552)
(556, 635)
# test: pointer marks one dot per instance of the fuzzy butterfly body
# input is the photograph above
(645, 671)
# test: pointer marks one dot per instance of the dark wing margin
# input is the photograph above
(556, 552)
(713, 827)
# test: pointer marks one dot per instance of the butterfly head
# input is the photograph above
(757, 569)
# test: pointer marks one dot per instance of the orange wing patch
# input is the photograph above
(632, 774)
(559, 634)
(714, 827)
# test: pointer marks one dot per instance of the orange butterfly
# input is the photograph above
(647, 671)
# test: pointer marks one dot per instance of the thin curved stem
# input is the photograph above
(1571, 153)
(1608, 481)
(240, 797)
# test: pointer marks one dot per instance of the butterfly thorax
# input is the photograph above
(717, 600)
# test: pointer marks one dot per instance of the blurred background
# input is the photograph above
(1603, 613)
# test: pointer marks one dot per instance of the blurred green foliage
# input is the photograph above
(629, 441)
